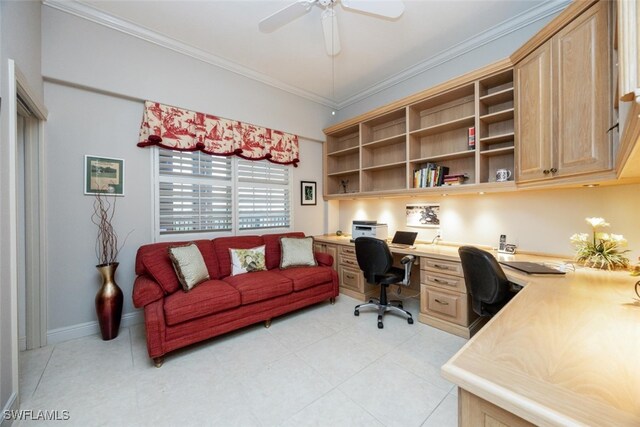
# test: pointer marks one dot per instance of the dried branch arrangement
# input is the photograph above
(107, 248)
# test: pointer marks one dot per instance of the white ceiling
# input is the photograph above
(375, 52)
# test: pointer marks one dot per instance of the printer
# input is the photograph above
(368, 229)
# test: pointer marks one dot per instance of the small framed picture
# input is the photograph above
(307, 193)
(423, 215)
(103, 175)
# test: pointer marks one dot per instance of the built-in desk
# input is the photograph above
(565, 351)
(438, 281)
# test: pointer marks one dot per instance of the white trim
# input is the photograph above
(496, 32)
(11, 188)
(102, 18)
(86, 329)
(12, 405)
(501, 30)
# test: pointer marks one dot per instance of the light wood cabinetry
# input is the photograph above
(327, 248)
(352, 281)
(381, 153)
(444, 301)
(628, 20)
(476, 412)
(563, 101)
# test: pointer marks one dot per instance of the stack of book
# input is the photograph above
(429, 175)
(457, 179)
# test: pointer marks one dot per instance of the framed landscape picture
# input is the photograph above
(103, 175)
(307, 193)
(423, 215)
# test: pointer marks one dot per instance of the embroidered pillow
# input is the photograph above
(247, 260)
(297, 252)
(189, 265)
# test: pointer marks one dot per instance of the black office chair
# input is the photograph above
(376, 262)
(486, 282)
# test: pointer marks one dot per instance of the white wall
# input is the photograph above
(539, 221)
(484, 55)
(20, 41)
(88, 54)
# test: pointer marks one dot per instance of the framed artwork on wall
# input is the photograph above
(423, 215)
(103, 175)
(308, 193)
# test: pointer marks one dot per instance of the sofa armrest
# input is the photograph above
(146, 291)
(324, 259)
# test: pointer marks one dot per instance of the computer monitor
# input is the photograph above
(404, 238)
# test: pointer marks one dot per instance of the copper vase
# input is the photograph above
(109, 302)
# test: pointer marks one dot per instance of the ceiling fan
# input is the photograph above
(384, 8)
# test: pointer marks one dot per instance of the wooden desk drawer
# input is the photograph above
(444, 281)
(348, 250)
(349, 261)
(446, 305)
(351, 278)
(440, 266)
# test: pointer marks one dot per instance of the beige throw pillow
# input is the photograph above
(297, 252)
(247, 260)
(189, 265)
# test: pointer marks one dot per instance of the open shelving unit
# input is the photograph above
(379, 155)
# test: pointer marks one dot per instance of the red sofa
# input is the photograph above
(175, 319)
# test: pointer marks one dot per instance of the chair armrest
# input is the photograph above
(146, 291)
(324, 259)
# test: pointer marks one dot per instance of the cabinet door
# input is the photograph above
(533, 115)
(327, 249)
(581, 90)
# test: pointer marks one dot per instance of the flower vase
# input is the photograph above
(109, 302)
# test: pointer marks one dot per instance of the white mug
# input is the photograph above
(503, 175)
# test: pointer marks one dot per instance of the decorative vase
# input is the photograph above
(109, 302)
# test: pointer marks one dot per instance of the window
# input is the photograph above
(198, 193)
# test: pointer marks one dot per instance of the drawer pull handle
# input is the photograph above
(441, 267)
(441, 302)
(446, 282)
(349, 276)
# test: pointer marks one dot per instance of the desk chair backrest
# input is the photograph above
(485, 280)
(374, 257)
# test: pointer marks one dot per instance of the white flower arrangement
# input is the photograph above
(601, 250)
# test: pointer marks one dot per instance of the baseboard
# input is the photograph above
(80, 330)
(22, 343)
(12, 405)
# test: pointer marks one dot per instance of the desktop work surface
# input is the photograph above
(563, 352)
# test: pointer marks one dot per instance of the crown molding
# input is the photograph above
(503, 29)
(92, 14)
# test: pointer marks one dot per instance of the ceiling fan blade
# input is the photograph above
(386, 8)
(285, 15)
(330, 30)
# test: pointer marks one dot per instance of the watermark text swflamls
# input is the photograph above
(36, 415)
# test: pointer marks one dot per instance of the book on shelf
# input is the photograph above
(456, 179)
(429, 175)
(471, 140)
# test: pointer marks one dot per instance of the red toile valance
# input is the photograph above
(184, 130)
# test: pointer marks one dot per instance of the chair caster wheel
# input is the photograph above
(356, 313)
(410, 321)
(370, 301)
(380, 325)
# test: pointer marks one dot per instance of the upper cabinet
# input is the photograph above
(563, 101)
(629, 50)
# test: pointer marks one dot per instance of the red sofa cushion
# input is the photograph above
(307, 277)
(223, 244)
(260, 285)
(207, 298)
(273, 251)
(154, 260)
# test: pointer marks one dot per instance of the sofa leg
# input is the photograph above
(267, 323)
(332, 300)
(158, 361)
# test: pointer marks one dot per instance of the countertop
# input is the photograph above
(565, 351)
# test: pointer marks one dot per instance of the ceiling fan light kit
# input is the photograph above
(391, 9)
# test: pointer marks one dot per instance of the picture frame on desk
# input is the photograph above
(308, 193)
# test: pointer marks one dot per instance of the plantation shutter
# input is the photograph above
(263, 195)
(195, 192)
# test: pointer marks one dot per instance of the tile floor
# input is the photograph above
(320, 366)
